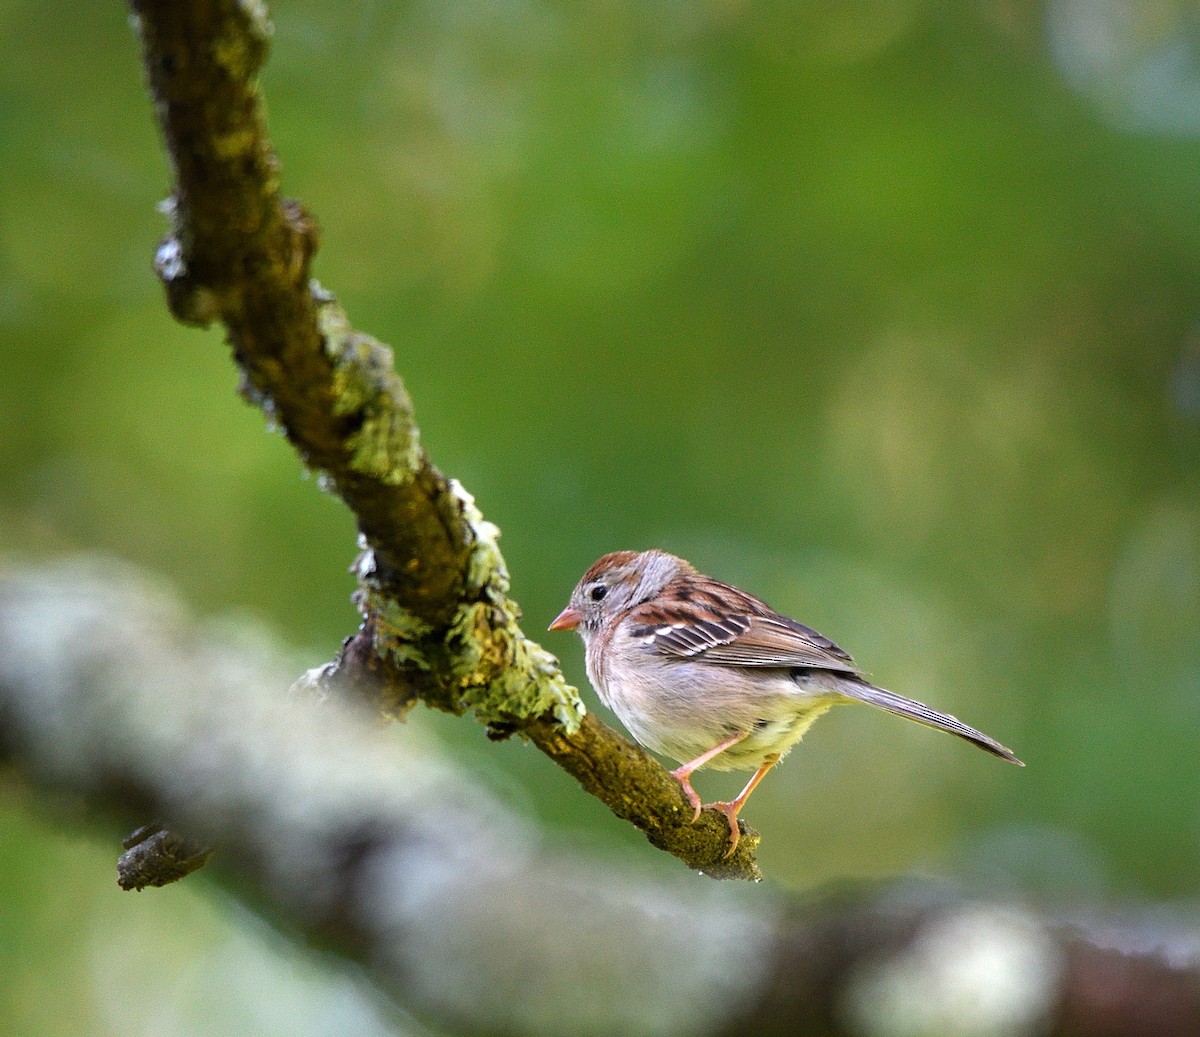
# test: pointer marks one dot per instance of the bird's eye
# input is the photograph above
(597, 592)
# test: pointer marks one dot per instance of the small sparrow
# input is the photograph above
(706, 674)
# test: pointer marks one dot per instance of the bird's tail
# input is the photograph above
(910, 709)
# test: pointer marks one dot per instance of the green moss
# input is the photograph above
(398, 633)
(502, 674)
(486, 570)
(241, 47)
(492, 669)
(386, 444)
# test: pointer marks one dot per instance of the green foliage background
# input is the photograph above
(884, 311)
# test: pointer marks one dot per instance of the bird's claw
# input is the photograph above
(730, 810)
(682, 777)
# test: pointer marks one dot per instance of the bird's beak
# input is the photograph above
(568, 619)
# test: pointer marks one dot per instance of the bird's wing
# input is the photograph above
(705, 628)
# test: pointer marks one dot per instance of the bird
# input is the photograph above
(710, 676)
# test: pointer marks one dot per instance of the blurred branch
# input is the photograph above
(156, 856)
(114, 697)
(440, 625)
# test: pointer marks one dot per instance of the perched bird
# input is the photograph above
(708, 675)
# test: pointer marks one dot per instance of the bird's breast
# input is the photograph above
(682, 708)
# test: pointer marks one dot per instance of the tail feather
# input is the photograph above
(910, 709)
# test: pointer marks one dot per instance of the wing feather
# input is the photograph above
(720, 624)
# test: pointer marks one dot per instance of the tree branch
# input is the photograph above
(433, 583)
(113, 696)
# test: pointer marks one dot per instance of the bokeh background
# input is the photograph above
(886, 311)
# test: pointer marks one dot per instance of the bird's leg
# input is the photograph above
(683, 774)
(730, 809)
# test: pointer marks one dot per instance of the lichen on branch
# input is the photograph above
(481, 660)
(382, 441)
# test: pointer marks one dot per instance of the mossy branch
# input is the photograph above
(439, 625)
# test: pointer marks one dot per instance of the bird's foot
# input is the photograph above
(683, 776)
(730, 810)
